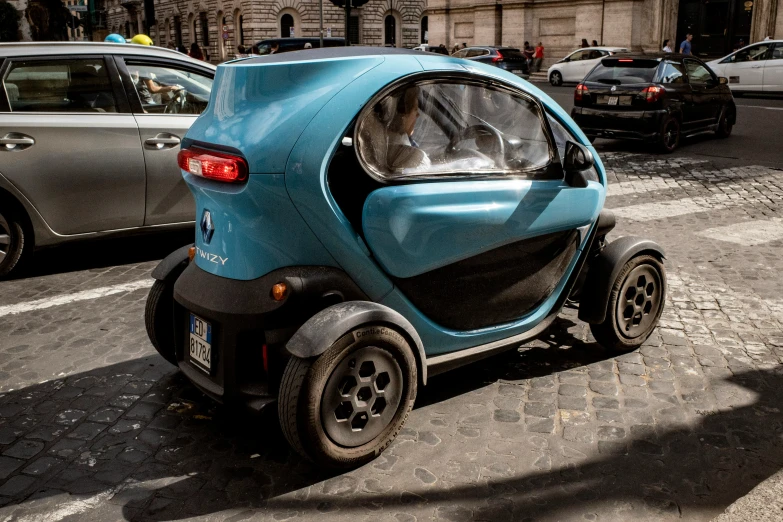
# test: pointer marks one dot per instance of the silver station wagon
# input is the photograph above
(89, 136)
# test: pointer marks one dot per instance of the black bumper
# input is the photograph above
(244, 318)
(623, 124)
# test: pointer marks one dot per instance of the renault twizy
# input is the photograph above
(368, 218)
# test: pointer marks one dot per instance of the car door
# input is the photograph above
(746, 67)
(163, 119)
(70, 144)
(705, 93)
(773, 70)
(572, 69)
(473, 208)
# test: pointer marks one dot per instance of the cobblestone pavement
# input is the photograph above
(95, 426)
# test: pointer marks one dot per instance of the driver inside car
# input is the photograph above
(403, 152)
(146, 86)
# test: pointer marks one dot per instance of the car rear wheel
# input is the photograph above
(724, 126)
(15, 240)
(556, 79)
(344, 407)
(635, 305)
(159, 319)
(670, 134)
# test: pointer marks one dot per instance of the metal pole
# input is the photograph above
(347, 21)
(321, 18)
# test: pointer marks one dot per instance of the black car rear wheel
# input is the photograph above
(724, 125)
(670, 134)
(556, 79)
(15, 239)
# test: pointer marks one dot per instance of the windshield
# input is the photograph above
(623, 71)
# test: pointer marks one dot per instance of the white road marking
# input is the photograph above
(673, 208)
(748, 233)
(762, 107)
(48, 302)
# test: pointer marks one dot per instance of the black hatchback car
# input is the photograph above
(296, 44)
(657, 99)
(507, 58)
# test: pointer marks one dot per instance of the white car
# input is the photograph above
(755, 68)
(575, 66)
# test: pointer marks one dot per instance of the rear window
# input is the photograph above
(511, 53)
(623, 71)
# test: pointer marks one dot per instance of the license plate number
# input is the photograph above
(201, 343)
(613, 100)
(517, 71)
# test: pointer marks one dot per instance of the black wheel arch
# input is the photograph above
(172, 265)
(604, 268)
(323, 329)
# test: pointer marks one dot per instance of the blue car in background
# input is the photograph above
(368, 218)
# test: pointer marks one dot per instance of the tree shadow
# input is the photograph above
(139, 437)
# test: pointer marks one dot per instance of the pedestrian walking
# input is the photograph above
(455, 49)
(595, 43)
(195, 52)
(666, 47)
(538, 56)
(528, 53)
(685, 46)
(584, 43)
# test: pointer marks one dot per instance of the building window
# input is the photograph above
(353, 30)
(390, 30)
(424, 29)
(204, 29)
(178, 32)
(287, 26)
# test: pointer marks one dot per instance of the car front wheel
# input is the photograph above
(344, 407)
(724, 126)
(556, 79)
(635, 305)
(15, 240)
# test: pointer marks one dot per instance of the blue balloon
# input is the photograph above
(114, 38)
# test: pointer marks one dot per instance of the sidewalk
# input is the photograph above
(764, 503)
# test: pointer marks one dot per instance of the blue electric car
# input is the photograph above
(368, 218)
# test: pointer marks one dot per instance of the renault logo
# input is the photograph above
(207, 226)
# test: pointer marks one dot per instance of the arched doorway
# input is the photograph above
(423, 35)
(390, 31)
(287, 26)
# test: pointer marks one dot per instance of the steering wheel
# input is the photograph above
(481, 130)
(177, 104)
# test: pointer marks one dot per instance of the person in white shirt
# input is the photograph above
(666, 47)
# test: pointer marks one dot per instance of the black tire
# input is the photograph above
(159, 319)
(670, 134)
(556, 79)
(615, 333)
(724, 127)
(308, 388)
(16, 239)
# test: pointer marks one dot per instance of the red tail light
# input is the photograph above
(213, 165)
(653, 93)
(581, 92)
(498, 58)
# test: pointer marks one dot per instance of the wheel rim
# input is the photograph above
(361, 396)
(5, 238)
(670, 132)
(639, 301)
(556, 78)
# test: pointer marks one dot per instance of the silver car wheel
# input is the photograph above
(5, 238)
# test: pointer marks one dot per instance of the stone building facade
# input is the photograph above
(640, 25)
(218, 26)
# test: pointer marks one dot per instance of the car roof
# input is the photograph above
(326, 53)
(9, 50)
(656, 56)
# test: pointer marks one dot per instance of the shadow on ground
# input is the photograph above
(138, 437)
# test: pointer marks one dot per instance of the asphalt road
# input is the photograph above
(755, 139)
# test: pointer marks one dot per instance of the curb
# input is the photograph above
(764, 503)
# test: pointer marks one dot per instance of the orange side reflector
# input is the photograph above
(279, 291)
(191, 253)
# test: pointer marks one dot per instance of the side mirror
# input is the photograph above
(578, 159)
(723, 80)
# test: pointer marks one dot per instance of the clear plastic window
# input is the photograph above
(432, 129)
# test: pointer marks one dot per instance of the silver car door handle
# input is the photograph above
(16, 141)
(162, 140)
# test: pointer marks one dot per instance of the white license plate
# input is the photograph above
(201, 343)
(517, 71)
(613, 100)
